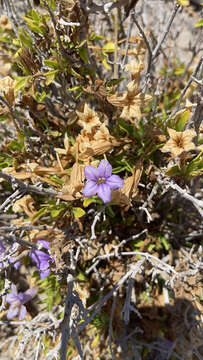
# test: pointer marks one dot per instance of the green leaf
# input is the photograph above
(165, 243)
(15, 145)
(88, 201)
(25, 38)
(199, 23)
(78, 212)
(55, 178)
(52, 5)
(84, 55)
(81, 276)
(5, 161)
(21, 82)
(173, 171)
(94, 36)
(106, 65)
(138, 244)
(50, 76)
(114, 82)
(182, 120)
(108, 48)
(52, 64)
(183, 2)
(179, 70)
(55, 213)
(39, 214)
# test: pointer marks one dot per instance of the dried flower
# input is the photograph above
(101, 181)
(88, 118)
(17, 301)
(179, 141)
(131, 101)
(7, 85)
(135, 67)
(42, 259)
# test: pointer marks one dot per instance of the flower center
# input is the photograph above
(101, 181)
(88, 118)
(180, 142)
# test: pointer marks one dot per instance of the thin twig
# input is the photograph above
(145, 40)
(165, 32)
(185, 89)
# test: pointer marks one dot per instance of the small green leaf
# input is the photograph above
(106, 65)
(81, 276)
(39, 214)
(84, 55)
(183, 2)
(88, 201)
(199, 23)
(182, 120)
(55, 213)
(109, 48)
(165, 243)
(50, 76)
(114, 82)
(78, 212)
(173, 171)
(21, 82)
(52, 64)
(25, 38)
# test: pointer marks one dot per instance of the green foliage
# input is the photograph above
(199, 23)
(36, 22)
(101, 321)
(51, 290)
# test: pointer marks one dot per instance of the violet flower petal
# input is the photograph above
(16, 263)
(11, 298)
(91, 173)
(90, 188)
(105, 169)
(104, 192)
(45, 244)
(13, 311)
(40, 258)
(44, 273)
(115, 182)
(22, 312)
(27, 295)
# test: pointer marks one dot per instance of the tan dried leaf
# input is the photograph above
(25, 204)
(179, 142)
(68, 149)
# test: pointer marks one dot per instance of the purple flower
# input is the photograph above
(17, 301)
(42, 259)
(100, 181)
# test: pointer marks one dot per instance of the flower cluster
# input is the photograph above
(42, 259)
(100, 181)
